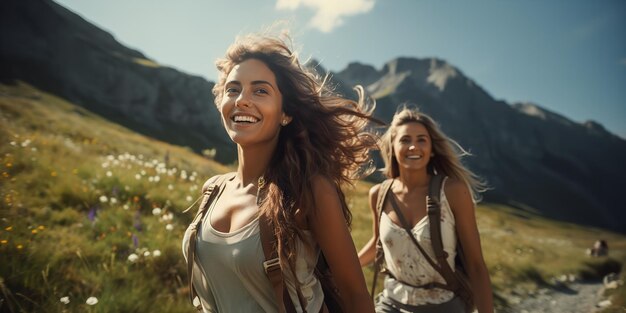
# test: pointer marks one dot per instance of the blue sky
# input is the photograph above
(567, 56)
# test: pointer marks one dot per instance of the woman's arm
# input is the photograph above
(331, 233)
(368, 252)
(460, 199)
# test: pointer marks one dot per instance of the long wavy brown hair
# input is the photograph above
(327, 137)
(447, 152)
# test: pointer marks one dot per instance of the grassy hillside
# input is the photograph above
(91, 209)
(80, 195)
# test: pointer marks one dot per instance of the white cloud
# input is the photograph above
(328, 13)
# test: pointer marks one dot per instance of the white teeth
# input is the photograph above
(245, 118)
(415, 157)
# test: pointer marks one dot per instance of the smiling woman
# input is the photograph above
(283, 210)
(420, 213)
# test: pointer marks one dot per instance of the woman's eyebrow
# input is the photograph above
(262, 82)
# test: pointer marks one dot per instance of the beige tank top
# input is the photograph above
(406, 262)
(229, 275)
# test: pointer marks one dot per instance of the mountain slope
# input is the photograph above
(58, 51)
(80, 197)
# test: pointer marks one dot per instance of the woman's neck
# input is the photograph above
(414, 179)
(253, 162)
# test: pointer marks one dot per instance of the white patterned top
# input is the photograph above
(407, 263)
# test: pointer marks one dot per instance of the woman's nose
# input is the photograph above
(242, 100)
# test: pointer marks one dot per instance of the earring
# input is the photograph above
(284, 122)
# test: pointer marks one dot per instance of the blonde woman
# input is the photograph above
(414, 149)
(297, 143)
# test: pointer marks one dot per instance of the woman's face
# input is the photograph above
(412, 146)
(251, 107)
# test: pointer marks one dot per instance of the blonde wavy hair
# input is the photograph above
(327, 136)
(447, 152)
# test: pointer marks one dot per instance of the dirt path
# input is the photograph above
(579, 297)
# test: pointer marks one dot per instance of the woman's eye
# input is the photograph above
(261, 91)
(232, 90)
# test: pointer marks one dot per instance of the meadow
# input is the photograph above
(91, 218)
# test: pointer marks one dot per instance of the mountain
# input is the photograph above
(532, 158)
(56, 50)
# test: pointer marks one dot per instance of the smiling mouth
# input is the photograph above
(244, 119)
(414, 157)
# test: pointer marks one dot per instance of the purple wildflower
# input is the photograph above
(135, 241)
(92, 213)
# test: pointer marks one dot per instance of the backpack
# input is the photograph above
(332, 300)
(456, 281)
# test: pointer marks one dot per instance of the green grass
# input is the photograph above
(78, 195)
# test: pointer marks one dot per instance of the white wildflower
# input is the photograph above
(156, 253)
(113, 200)
(92, 301)
(189, 198)
(65, 300)
(137, 176)
(170, 187)
(146, 254)
(169, 227)
(104, 199)
(126, 207)
(167, 217)
(156, 211)
(109, 174)
(133, 258)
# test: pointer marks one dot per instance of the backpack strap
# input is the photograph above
(272, 267)
(209, 193)
(380, 255)
(434, 217)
